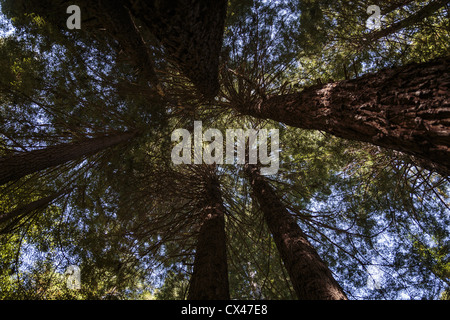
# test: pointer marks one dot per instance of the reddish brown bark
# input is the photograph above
(209, 280)
(310, 276)
(16, 166)
(405, 108)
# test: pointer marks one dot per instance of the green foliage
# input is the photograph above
(131, 217)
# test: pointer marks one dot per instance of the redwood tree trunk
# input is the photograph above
(19, 165)
(310, 276)
(191, 32)
(209, 280)
(405, 109)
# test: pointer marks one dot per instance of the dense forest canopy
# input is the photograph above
(358, 207)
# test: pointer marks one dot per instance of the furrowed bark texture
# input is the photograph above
(209, 280)
(405, 109)
(16, 166)
(191, 31)
(310, 276)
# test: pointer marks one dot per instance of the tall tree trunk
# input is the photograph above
(19, 165)
(191, 32)
(310, 276)
(119, 24)
(209, 280)
(405, 108)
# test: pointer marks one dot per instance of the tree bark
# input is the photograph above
(209, 280)
(19, 165)
(405, 109)
(310, 276)
(191, 32)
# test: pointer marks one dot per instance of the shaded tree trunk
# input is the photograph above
(209, 280)
(311, 278)
(119, 24)
(405, 109)
(19, 165)
(14, 216)
(191, 32)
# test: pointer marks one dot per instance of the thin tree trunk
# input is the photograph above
(405, 109)
(310, 276)
(17, 214)
(209, 280)
(424, 12)
(16, 166)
